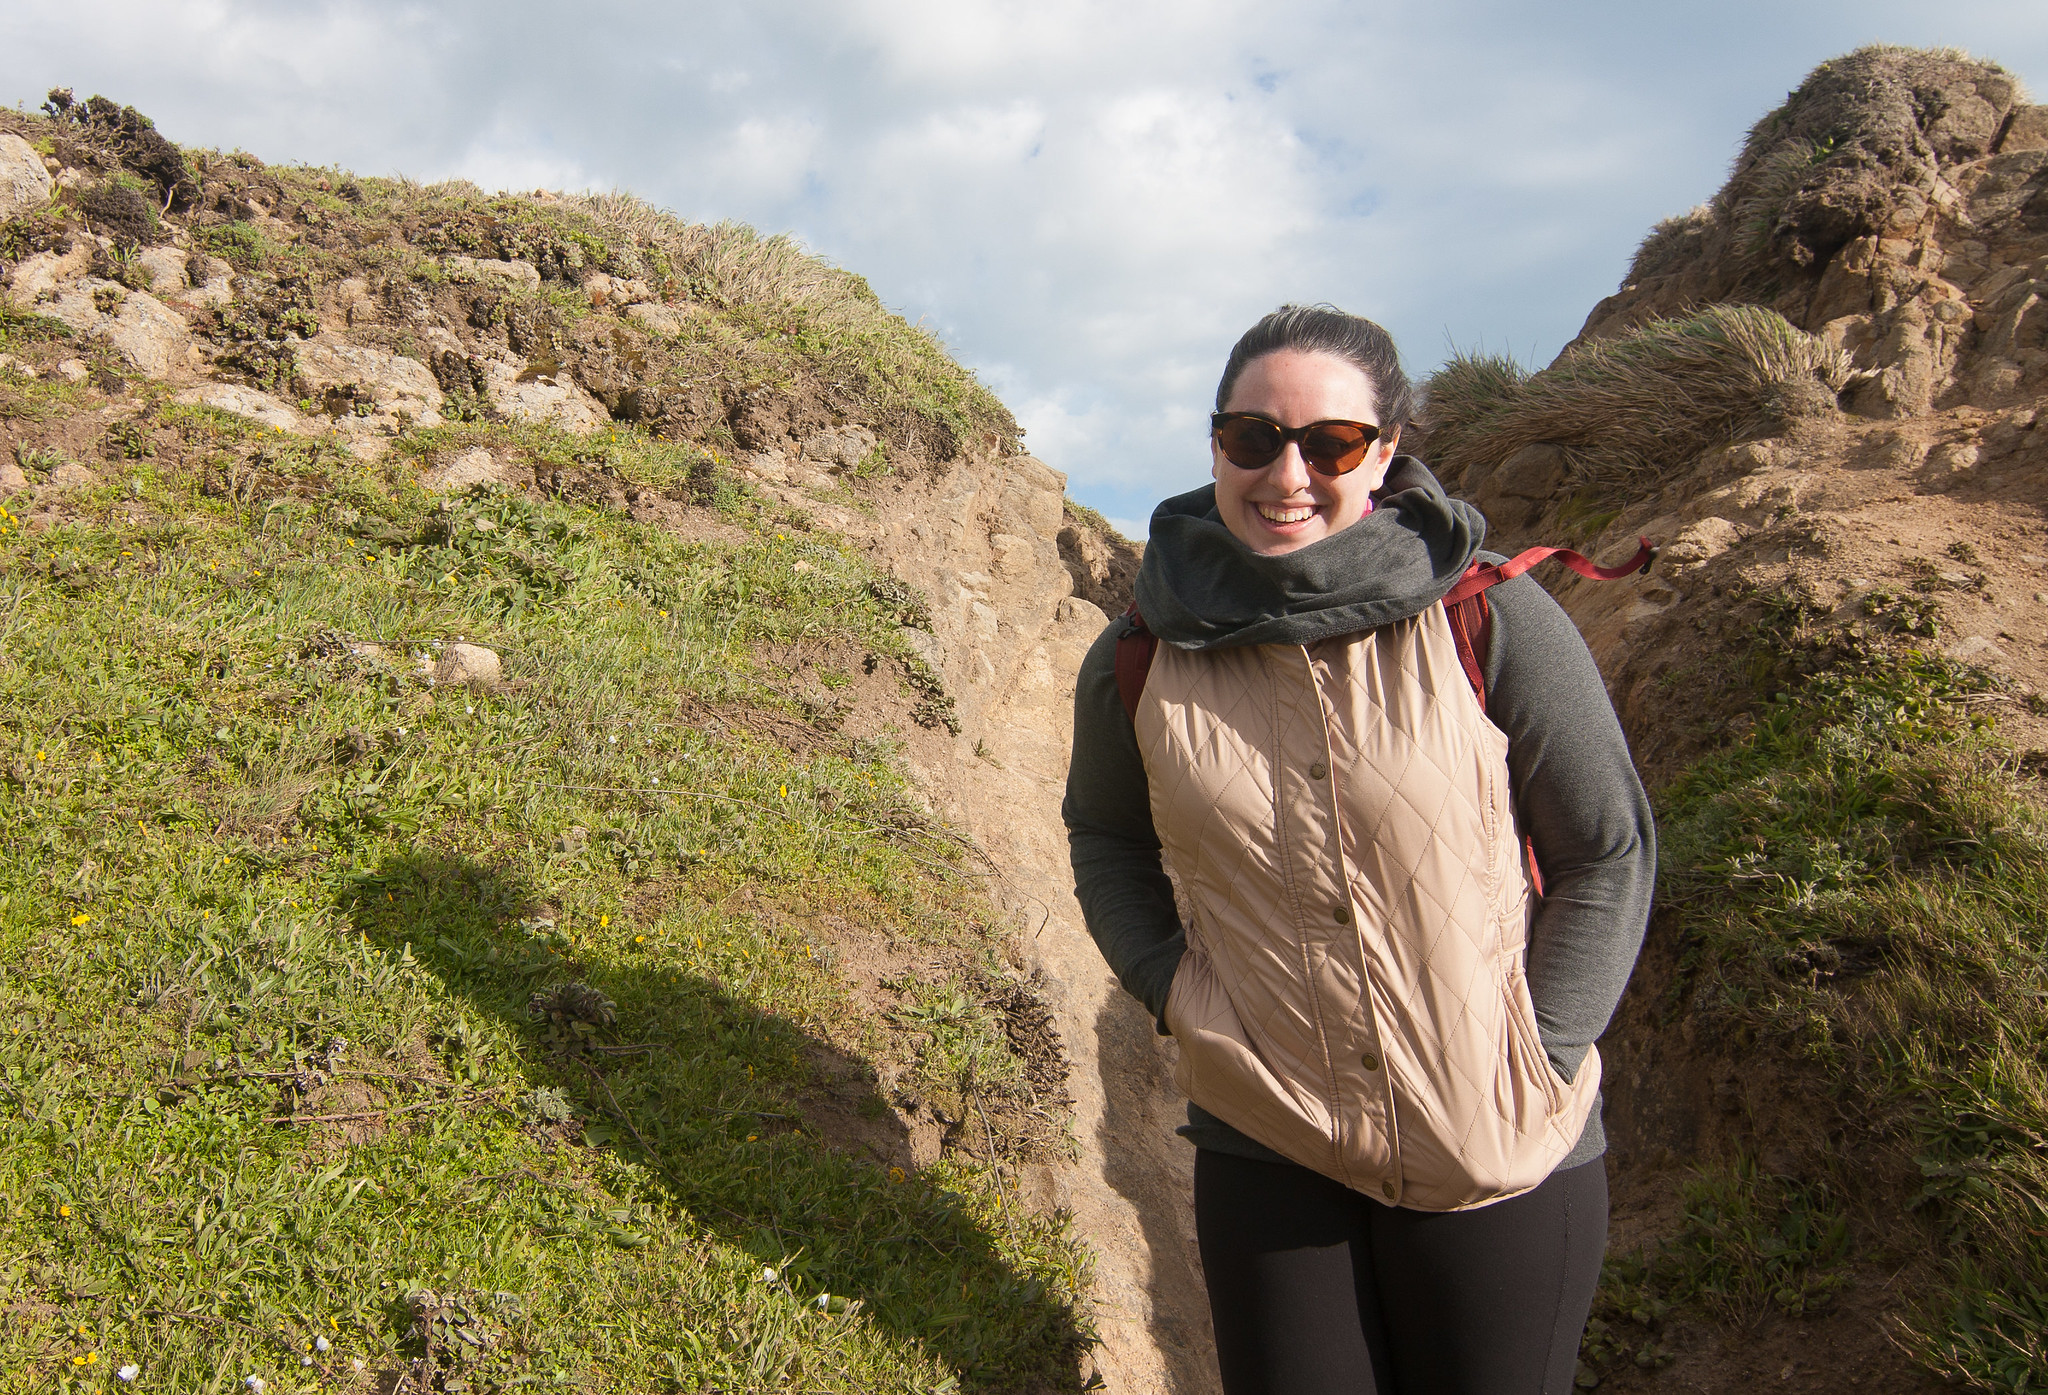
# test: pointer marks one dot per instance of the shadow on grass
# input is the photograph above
(705, 1110)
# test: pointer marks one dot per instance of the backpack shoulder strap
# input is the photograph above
(1479, 576)
(1472, 621)
(1134, 650)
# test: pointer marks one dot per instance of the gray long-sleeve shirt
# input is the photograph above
(1575, 788)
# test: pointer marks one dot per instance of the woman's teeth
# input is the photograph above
(1273, 513)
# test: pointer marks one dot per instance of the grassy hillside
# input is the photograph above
(1854, 888)
(358, 1019)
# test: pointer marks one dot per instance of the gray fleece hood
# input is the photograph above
(1200, 588)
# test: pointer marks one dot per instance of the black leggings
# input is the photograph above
(1318, 1290)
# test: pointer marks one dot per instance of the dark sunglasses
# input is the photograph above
(1253, 442)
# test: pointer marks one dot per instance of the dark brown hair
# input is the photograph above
(1324, 329)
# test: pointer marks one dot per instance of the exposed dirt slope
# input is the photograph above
(1889, 486)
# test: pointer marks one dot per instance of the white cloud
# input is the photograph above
(1088, 200)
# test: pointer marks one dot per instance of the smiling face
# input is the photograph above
(1286, 506)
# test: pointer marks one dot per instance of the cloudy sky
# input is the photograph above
(1087, 201)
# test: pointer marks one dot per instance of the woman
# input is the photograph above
(1384, 1031)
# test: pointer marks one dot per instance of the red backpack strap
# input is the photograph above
(1478, 577)
(1134, 650)
(1472, 625)
(1472, 622)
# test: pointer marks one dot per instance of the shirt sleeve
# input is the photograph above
(1580, 802)
(1125, 895)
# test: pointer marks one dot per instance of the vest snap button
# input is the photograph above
(1343, 915)
(1387, 1190)
(1318, 771)
(1369, 1061)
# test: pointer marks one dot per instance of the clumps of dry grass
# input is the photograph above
(1623, 408)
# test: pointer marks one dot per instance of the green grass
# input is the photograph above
(284, 1055)
(1859, 882)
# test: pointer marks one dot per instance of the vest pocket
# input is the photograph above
(1221, 1070)
(1525, 1057)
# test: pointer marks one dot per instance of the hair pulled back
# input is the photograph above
(1324, 329)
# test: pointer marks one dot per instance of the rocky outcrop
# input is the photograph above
(24, 184)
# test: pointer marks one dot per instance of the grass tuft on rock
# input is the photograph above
(1626, 408)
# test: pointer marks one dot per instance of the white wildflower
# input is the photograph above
(322, 1344)
(769, 1276)
(128, 1372)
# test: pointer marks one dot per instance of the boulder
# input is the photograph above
(2028, 130)
(213, 281)
(398, 387)
(24, 183)
(469, 663)
(1014, 556)
(604, 289)
(71, 475)
(37, 278)
(516, 273)
(536, 397)
(1698, 544)
(247, 402)
(1513, 494)
(464, 471)
(149, 336)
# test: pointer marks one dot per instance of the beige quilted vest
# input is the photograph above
(1353, 993)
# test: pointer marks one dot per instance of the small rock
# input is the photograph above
(12, 480)
(74, 370)
(468, 663)
(166, 268)
(463, 471)
(661, 319)
(24, 183)
(71, 475)
(841, 448)
(1015, 556)
(615, 290)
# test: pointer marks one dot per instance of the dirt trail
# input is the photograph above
(983, 541)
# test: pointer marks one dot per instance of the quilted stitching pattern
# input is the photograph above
(1412, 833)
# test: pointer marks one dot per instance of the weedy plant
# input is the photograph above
(462, 1030)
